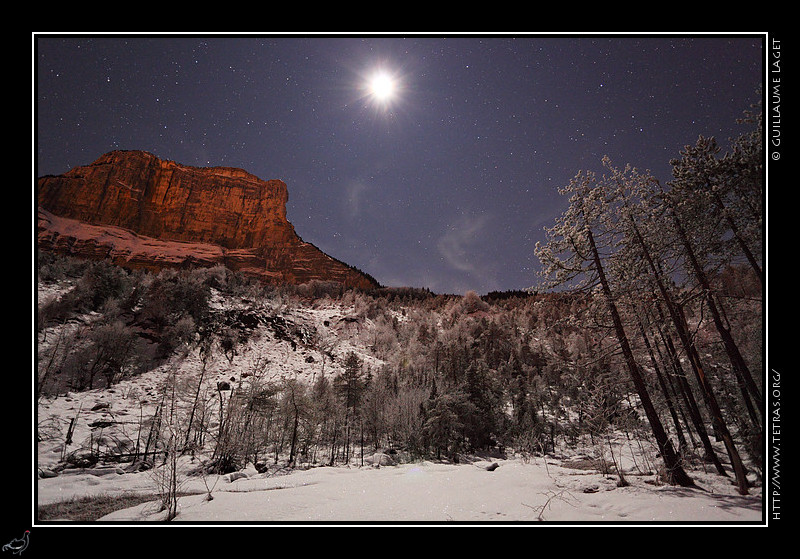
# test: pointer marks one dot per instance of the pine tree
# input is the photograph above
(350, 386)
(637, 215)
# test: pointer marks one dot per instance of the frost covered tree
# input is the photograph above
(640, 214)
(577, 253)
(727, 192)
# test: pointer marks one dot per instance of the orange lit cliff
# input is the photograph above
(142, 212)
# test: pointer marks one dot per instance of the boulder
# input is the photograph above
(233, 476)
(47, 473)
(380, 459)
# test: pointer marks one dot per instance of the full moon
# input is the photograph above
(382, 86)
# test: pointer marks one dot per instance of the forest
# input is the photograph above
(646, 321)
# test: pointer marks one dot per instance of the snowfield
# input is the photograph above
(426, 492)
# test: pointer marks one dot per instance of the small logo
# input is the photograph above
(18, 545)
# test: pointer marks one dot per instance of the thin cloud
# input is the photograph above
(458, 243)
(462, 249)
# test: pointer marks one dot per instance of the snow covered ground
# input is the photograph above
(515, 491)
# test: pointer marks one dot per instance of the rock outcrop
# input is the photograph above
(142, 212)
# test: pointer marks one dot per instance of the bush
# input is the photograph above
(109, 350)
(99, 284)
(173, 296)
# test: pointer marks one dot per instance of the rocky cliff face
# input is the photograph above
(142, 212)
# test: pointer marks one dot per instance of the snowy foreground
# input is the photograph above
(515, 491)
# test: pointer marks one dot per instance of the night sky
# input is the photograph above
(448, 182)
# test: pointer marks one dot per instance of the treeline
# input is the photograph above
(460, 375)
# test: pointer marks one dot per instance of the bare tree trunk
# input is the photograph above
(194, 405)
(665, 389)
(685, 391)
(293, 445)
(335, 432)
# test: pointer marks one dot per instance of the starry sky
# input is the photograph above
(445, 184)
